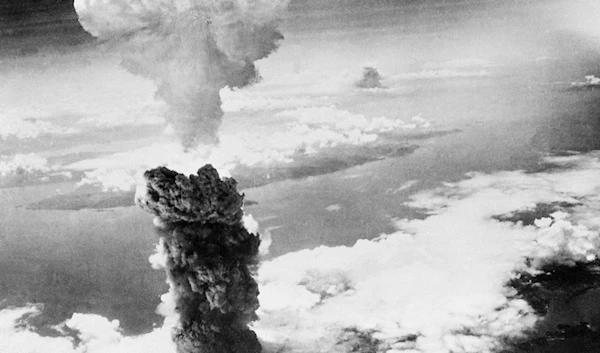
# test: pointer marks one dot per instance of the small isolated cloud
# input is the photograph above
(333, 208)
(591, 81)
(420, 121)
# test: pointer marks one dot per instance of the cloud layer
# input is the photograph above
(300, 131)
(436, 285)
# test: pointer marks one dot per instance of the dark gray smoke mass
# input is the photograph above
(209, 259)
(370, 79)
(191, 49)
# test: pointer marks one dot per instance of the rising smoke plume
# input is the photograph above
(191, 49)
(209, 256)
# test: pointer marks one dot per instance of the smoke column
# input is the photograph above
(190, 48)
(209, 255)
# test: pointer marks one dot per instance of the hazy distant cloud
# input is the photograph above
(404, 187)
(458, 68)
(12, 126)
(441, 73)
(308, 5)
(73, 99)
(345, 121)
(459, 64)
(148, 114)
(235, 100)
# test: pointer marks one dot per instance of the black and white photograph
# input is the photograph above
(299, 176)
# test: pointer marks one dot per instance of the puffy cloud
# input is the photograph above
(591, 81)
(439, 284)
(170, 154)
(95, 334)
(26, 168)
(120, 171)
(114, 180)
(23, 164)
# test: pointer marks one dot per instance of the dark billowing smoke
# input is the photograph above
(370, 79)
(209, 256)
(191, 49)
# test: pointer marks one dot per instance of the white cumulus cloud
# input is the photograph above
(23, 164)
(114, 180)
